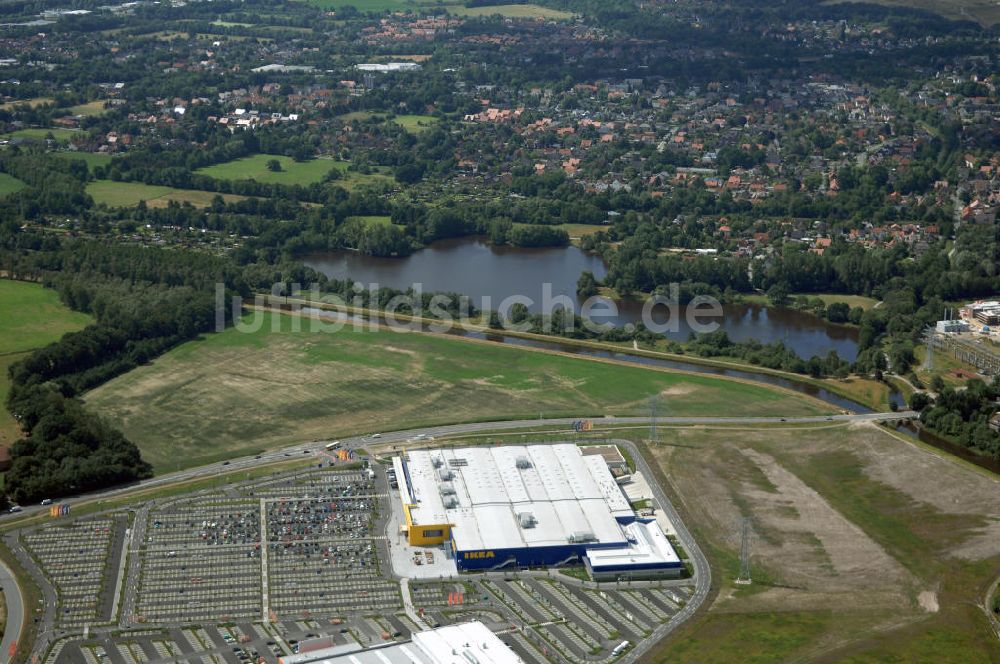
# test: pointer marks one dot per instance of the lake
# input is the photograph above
(490, 274)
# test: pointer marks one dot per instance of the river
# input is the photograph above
(490, 274)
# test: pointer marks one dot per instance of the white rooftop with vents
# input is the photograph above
(515, 496)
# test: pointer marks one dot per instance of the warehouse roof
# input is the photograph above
(453, 644)
(647, 546)
(516, 496)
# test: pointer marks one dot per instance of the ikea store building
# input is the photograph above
(528, 506)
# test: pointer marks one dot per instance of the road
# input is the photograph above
(15, 610)
(15, 603)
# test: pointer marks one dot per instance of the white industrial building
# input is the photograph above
(453, 644)
(525, 506)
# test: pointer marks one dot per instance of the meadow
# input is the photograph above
(239, 391)
(92, 158)
(36, 101)
(512, 11)
(411, 123)
(255, 168)
(90, 109)
(32, 317)
(984, 12)
(127, 194)
(10, 184)
(40, 134)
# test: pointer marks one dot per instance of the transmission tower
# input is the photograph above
(928, 338)
(745, 535)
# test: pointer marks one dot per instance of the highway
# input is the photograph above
(15, 602)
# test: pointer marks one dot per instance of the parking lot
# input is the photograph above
(81, 560)
(242, 573)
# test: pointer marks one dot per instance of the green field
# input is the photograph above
(37, 101)
(372, 219)
(39, 134)
(828, 298)
(10, 184)
(511, 11)
(985, 12)
(415, 123)
(411, 123)
(371, 5)
(127, 194)
(90, 109)
(350, 180)
(255, 168)
(234, 392)
(92, 158)
(32, 317)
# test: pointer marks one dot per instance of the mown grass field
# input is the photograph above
(238, 391)
(985, 12)
(36, 101)
(10, 184)
(39, 134)
(91, 108)
(128, 194)
(511, 11)
(351, 180)
(32, 317)
(92, 158)
(865, 548)
(255, 168)
(411, 123)
(373, 219)
(371, 5)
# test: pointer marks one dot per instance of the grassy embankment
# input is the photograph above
(237, 391)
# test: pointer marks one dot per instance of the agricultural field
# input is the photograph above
(512, 11)
(984, 12)
(92, 158)
(10, 184)
(246, 390)
(32, 317)
(865, 547)
(255, 168)
(127, 194)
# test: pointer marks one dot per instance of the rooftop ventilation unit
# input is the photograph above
(447, 489)
(445, 474)
(581, 536)
(458, 463)
(523, 462)
(437, 461)
(449, 502)
(526, 520)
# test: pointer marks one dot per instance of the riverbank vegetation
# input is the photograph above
(969, 416)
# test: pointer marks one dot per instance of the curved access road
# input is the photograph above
(15, 612)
